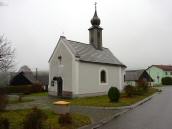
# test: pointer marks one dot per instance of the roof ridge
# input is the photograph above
(82, 43)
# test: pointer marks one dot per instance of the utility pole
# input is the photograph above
(36, 73)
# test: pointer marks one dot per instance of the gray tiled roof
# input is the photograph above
(133, 75)
(87, 53)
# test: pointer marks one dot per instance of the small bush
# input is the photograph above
(35, 119)
(37, 87)
(4, 123)
(3, 100)
(143, 85)
(25, 89)
(138, 90)
(65, 119)
(113, 94)
(166, 81)
(129, 90)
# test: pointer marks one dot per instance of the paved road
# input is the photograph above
(154, 114)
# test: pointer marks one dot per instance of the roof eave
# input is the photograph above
(121, 65)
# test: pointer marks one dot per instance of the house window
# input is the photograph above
(60, 59)
(166, 73)
(103, 76)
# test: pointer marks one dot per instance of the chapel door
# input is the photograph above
(59, 87)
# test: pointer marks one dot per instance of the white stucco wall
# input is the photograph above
(79, 78)
(89, 78)
(67, 60)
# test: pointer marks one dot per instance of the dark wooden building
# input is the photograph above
(23, 78)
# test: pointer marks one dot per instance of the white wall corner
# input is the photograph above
(75, 76)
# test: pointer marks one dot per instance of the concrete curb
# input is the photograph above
(127, 108)
(123, 107)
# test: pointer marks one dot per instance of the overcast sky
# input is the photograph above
(138, 32)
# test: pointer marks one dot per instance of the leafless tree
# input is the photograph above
(7, 54)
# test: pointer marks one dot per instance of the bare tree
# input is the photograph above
(7, 54)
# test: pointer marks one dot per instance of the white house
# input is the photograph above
(77, 69)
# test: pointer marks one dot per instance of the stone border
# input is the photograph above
(128, 108)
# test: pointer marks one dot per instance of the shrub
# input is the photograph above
(25, 89)
(129, 90)
(143, 85)
(65, 119)
(113, 94)
(4, 123)
(37, 87)
(35, 119)
(3, 100)
(139, 90)
(166, 81)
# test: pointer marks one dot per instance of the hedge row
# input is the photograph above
(166, 81)
(24, 89)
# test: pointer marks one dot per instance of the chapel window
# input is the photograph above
(103, 76)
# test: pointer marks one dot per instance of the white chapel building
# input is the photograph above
(78, 69)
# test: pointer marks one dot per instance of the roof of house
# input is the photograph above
(87, 53)
(27, 75)
(133, 75)
(164, 67)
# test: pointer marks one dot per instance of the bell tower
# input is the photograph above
(95, 31)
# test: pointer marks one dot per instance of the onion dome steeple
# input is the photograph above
(95, 21)
(95, 32)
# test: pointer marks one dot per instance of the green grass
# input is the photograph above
(103, 101)
(16, 118)
(39, 94)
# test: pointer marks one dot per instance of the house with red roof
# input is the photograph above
(157, 72)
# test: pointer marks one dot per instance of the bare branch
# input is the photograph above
(7, 54)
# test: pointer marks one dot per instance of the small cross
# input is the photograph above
(95, 4)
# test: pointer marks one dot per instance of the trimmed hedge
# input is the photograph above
(113, 94)
(166, 81)
(24, 89)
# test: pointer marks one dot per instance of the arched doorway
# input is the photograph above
(59, 86)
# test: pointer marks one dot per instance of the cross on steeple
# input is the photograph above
(95, 5)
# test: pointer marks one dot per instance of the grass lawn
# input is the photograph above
(16, 118)
(103, 101)
(39, 94)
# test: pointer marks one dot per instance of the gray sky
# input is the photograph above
(138, 32)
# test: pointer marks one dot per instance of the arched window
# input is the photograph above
(103, 76)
